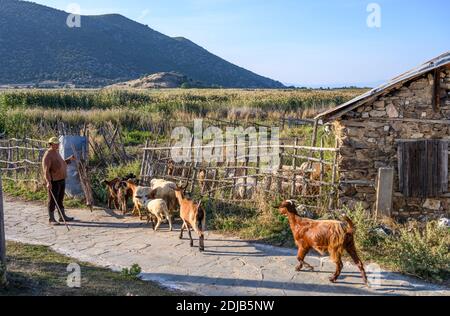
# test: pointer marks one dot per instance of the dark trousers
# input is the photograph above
(58, 190)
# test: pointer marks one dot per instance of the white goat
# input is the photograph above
(158, 208)
(165, 190)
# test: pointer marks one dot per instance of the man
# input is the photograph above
(55, 171)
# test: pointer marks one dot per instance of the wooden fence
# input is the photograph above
(305, 173)
(20, 159)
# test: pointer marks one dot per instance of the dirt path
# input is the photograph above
(228, 267)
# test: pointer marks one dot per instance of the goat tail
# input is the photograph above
(351, 226)
(201, 219)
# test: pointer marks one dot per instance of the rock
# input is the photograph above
(417, 135)
(444, 223)
(356, 144)
(434, 205)
(383, 231)
(354, 132)
(392, 111)
(376, 113)
(365, 115)
(380, 164)
(379, 105)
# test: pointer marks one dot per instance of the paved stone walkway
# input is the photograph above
(228, 267)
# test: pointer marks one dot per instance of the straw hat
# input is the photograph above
(54, 141)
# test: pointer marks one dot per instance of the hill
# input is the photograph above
(36, 45)
(160, 80)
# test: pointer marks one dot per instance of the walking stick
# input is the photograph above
(59, 211)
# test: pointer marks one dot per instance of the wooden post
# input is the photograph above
(280, 170)
(385, 191)
(144, 159)
(17, 159)
(235, 169)
(294, 168)
(26, 157)
(3, 280)
(215, 183)
(335, 193)
(314, 135)
(311, 154)
(322, 169)
(247, 159)
(258, 163)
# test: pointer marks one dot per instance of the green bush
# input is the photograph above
(123, 170)
(415, 248)
(132, 272)
(421, 252)
(366, 237)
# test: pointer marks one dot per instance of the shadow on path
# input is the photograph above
(255, 284)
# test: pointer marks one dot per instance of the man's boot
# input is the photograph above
(66, 218)
(52, 221)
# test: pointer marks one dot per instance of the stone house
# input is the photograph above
(404, 125)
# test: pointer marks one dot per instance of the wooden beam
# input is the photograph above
(411, 120)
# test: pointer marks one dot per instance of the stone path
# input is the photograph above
(228, 267)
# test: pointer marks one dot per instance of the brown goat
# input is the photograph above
(193, 216)
(324, 236)
(112, 190)
(124, 194)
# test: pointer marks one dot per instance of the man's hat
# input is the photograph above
(54, 140)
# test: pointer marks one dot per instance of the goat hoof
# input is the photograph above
(333, 279)
(298, 269)
(202, 249)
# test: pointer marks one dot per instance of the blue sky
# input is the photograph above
(306, 42)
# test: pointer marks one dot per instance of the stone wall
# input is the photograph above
(368, 137)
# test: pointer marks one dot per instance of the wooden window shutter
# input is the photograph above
(423, 168)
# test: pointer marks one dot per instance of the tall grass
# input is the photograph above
(195, 100)
(33, 111)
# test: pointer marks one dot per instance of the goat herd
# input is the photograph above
(163, 198)
(159, 201)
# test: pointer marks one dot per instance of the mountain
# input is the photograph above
(160, 80)
(36, 45)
